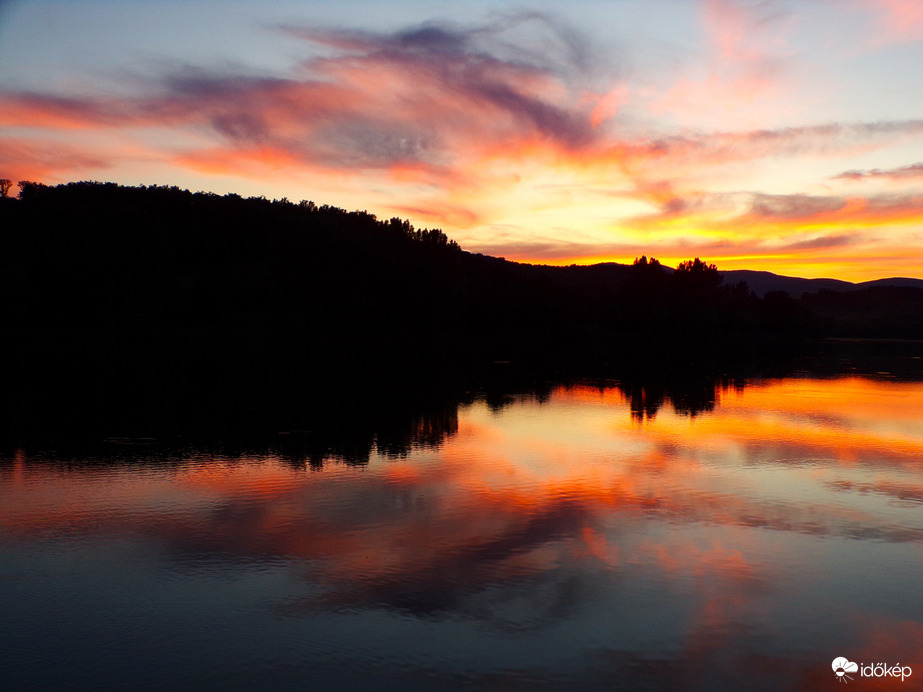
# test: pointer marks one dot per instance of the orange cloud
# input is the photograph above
(27, 159)
(55, 113)
(525, 154)
(253, 162)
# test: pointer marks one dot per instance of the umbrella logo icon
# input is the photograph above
(842, 666)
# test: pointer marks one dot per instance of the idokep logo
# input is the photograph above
(843, 666)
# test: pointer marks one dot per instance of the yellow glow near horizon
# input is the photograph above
(847, 269)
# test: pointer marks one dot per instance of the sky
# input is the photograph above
(773, 134)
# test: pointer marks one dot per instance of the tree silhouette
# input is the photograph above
(5, 185)
(29, 189)
(698, 275)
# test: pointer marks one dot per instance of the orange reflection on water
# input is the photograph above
(848, 420)
(703, 507)
(679, 550)
(258, 476)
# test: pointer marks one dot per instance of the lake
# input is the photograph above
(590, 536)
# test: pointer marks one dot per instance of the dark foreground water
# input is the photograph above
(585, 539)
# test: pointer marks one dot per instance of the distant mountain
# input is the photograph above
(894, 281)
(762, 282)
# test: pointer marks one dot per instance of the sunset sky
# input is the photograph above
(775, 135)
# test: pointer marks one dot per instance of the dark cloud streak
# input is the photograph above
(912, 172)
(793, 206)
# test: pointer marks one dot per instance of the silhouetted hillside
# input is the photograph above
(762, 282)
(102, 261)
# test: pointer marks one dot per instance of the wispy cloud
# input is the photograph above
(825, 140)
(519, 122)
(436, 99)
(912, 172)
(36, 161)
(894, 21)
(414, 96)
(745, 67)
(824, 242)
(759, 214)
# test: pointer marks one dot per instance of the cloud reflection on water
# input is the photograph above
(543, 515)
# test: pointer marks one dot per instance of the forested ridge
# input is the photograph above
(107, 259)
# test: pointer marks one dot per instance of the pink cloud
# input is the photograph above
(898, 21)
(23, 159)
(745, 73)
(56, 113)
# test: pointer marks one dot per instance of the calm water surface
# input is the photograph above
(574, 541)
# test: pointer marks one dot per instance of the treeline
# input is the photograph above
(91, 257)
(88, 196)
(106, 260)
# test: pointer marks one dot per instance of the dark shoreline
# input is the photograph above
(253, 393)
